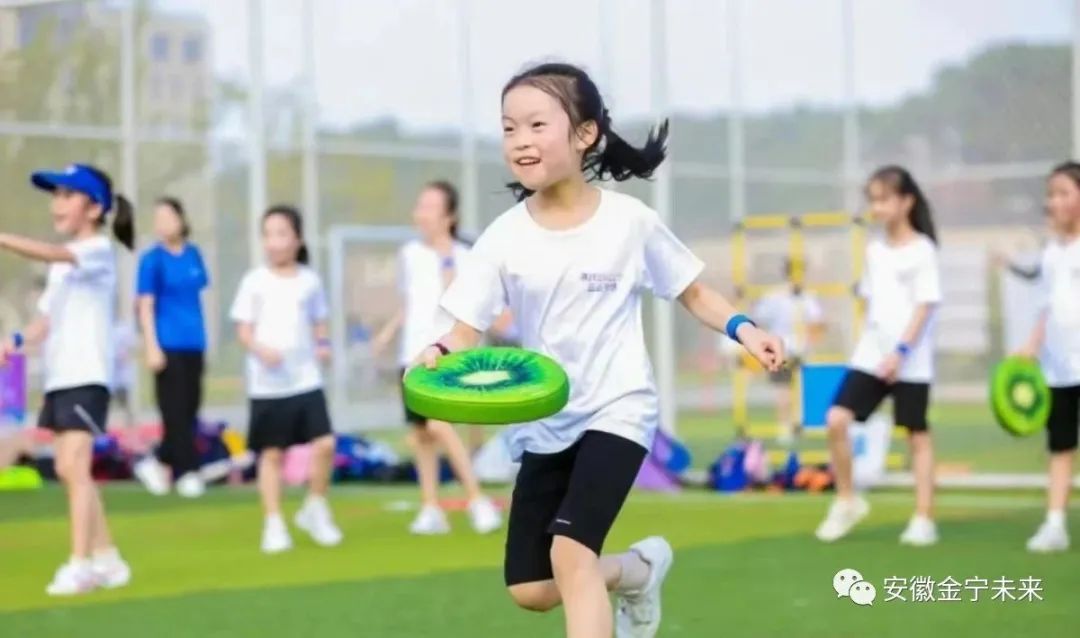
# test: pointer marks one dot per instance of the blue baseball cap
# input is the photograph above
(79, 178)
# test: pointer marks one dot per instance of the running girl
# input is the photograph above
(1056, 340)
(572, 262)
(280, 312)
(894, 355)
(75, 326)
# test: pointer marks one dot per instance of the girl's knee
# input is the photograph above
(569, 555)
(324, 444)
(538, 596)
(837, 421)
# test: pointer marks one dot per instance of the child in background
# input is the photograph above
(895, 354)
(1055, 340)
(75, 326)
(280, 313)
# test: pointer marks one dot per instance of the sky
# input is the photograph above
(400, 58)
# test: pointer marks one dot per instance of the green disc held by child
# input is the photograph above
(1019, 396)
(488, 386)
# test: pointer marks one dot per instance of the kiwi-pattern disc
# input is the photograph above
(1019, 396)
(488, 386)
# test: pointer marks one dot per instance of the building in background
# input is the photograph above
(174, 76)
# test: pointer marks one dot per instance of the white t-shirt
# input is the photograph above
(282, 311)
(896, 281)
(779, 313)
(420, 282)
(576, 297)
(1060, 288)
(80, 300)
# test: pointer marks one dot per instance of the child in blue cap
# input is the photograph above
(74, 328)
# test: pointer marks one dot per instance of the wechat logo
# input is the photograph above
(851, 584)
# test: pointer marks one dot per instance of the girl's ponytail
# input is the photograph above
(123, 224)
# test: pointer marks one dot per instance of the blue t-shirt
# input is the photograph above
(175, 282)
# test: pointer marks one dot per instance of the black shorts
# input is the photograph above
(411, 417)
(85, 408)
(576, 493)
(862, 393)
(1063, 424)
(280, 423)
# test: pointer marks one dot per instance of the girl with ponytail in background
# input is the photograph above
(281, 320)
(75, 328)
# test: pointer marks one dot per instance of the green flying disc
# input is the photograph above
(1019, 396)
(488, 386)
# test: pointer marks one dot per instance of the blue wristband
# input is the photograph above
(17, 340)
(733, 326)
(903, 349)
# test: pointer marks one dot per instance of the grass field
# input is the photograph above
(746, 565)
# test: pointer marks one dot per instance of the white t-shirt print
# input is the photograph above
(79, 301)
(1060, 288)
(576, 297)
(420, 282)
(282, 311)
(896, 281)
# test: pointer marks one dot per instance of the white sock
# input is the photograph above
(919, 518)
(110, 554)
(634, 573)
(275, 519)
(1056, 518)
(81, 563)
(314, 499)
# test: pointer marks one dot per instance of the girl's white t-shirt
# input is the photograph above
(576, 297)
(79, 301)
(420, 282)
(1060, 292)
(897, 280)
(282, 311)
(781, 311)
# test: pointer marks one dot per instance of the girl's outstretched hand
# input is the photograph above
(767, 348)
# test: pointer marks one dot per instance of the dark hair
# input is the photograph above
(292, 214)
(452, 199)
(123, 223)
(178, 208)
(610, 156)
(1069, 169)
(902, 183)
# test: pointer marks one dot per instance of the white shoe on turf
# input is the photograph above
(1050, 537)
(191, 485)
(275, 536)
(72, 578)
(484, 515)
(315, 519)
(152, 475)
(843, 515)
(920, 532)
(430, 521)
(111, 571)
(637, 614)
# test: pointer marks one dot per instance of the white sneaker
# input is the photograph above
(275, 536)
(72, 578)
(111, 571)
(430, 521)
(920, 532)
(1050, 538)
(315, 519)
(637, 614)
(484, 515)
(191, 485)
(843, 515)
(152, 475)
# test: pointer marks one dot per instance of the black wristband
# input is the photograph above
(441, 348)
